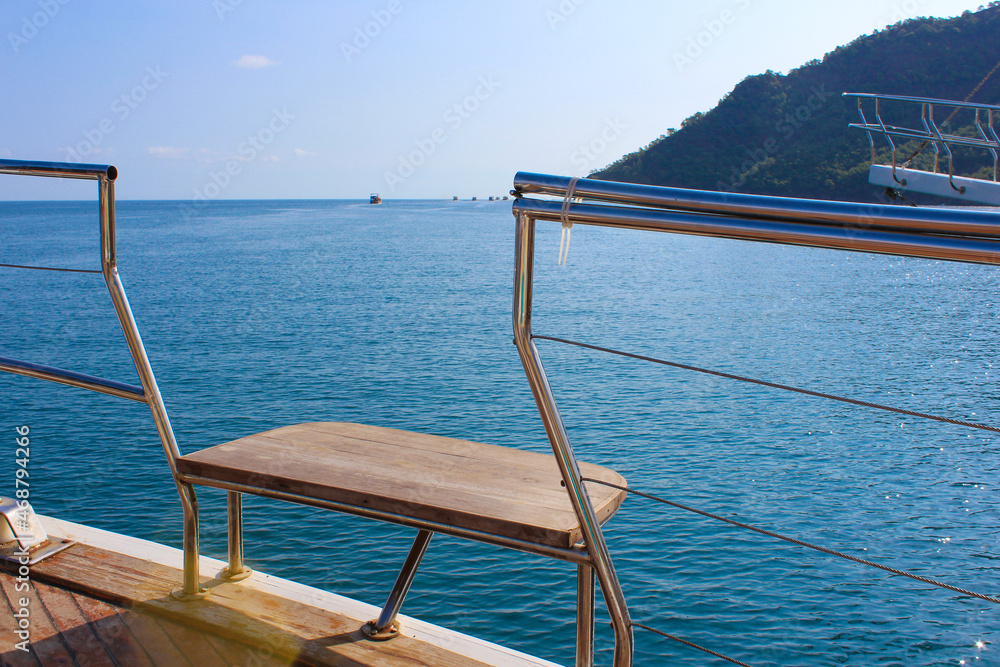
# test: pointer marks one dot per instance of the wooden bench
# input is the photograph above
(493, 494)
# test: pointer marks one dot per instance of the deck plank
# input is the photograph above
(158, 644)
(73, 626)
(499, 490)
(196, 645)
(236, 654)
(11, 655)
(279, 631)
(46, 640)
(102, 633)
(114, 634)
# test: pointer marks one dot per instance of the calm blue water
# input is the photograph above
(261, 314)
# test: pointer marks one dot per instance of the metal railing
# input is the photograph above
(930, 131)
(148, 392)
(946, 234)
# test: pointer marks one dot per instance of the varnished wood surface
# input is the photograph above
(499, 490)
(74, 629)
(90, 606)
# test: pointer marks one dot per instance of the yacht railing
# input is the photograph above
(898, 174)
(957, 235)
(946, 234)
(148, 392)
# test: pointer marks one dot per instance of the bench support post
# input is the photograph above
(386, 626)
(584, 616)
(237, 570)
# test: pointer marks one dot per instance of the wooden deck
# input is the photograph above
(92, 606)
(69, 628)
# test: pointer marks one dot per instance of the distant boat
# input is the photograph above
(475, 198)
(491, 198)
(375, 199)
(455, 198)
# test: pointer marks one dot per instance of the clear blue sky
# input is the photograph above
(326, 99)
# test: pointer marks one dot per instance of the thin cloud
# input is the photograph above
(253, 62)
(168, 152)
(300, 152)
(209, 156)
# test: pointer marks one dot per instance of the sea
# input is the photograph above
(259, 314)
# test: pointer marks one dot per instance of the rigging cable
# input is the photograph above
(687, 643)
(48, 268)
(775, 385)
(801, 543)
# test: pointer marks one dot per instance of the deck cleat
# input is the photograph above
(22, 538)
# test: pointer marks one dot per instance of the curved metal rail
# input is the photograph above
(947, 234)
(148, 393)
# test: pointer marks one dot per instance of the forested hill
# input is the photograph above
(788, 135)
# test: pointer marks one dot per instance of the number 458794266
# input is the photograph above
(22, 454)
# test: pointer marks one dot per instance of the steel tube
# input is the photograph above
(909, 133)
(964, 249)
(593, 537)
(151, 392)
(148, 393)
(922, 100)
(584, 616)
(126, 321)
(803, 211)
(237, 569)
(73, 379)
(404, 580)
(191, 587)
(58, 169)
(572, 555)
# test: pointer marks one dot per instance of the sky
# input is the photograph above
(311, 99)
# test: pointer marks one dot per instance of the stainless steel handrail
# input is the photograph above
(803, 232)
(930, 133)
(763, 207)
(93, 172)
(81, 380)
(149, 393)
(593, 537)
(923, 100)
(947, 234)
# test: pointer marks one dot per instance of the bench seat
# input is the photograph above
(467, 485)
